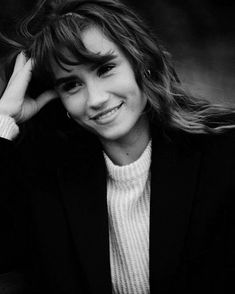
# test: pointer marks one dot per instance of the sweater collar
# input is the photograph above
(131, 171)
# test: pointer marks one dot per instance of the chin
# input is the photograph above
(110, 137)
(116, 134)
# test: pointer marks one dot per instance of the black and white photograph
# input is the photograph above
(117, 147)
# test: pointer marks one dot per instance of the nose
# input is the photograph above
(97, 97)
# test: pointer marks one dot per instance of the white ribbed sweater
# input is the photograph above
(8, 128)
(128, 199)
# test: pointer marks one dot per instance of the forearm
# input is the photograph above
(8, 131)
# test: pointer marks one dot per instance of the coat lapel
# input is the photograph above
(83, 184)
(82, 179)
(174, 173)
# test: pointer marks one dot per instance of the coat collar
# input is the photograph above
(82, 180)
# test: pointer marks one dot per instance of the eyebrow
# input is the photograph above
(103, 59)
(93, 65)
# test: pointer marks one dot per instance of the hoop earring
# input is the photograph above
(147, 73)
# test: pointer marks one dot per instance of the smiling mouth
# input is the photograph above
(105, 114)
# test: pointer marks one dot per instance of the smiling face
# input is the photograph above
(103, 98)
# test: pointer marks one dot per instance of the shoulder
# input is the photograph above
(216, 151)
(216, 142)
(216, 158)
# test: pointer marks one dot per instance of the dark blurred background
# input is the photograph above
(198, 33)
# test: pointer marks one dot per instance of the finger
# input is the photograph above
(19, 64)
(20, 61)
(45, 97)
(19, 84)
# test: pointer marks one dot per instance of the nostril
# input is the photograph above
(97, 100)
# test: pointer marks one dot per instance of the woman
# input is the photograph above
(134, 194)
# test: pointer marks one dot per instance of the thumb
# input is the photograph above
(45, 97)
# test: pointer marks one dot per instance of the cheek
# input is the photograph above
(75, 107)
(137, 99)
(131, 87)
(128, 87)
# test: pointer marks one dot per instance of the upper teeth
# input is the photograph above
(108, 113)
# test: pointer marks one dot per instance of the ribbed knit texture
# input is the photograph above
(128, 199)
(8, 128)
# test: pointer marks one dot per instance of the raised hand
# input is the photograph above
(14, 102)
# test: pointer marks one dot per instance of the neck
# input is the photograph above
(128, 149)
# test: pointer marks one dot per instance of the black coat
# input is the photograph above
(54, 200)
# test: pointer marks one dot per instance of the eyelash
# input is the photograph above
(104, 69)
(70, 87)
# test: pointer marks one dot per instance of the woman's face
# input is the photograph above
(105, 100)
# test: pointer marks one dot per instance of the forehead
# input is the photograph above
(95, 42)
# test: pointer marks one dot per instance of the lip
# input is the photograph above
(101, 115)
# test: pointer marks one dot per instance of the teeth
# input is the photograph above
(109, 113)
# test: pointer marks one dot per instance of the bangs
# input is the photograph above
(61, 42)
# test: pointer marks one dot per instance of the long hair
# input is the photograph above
(51, 29)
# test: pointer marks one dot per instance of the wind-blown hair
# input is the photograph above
(48, 33)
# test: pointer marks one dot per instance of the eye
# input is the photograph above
(70, 87)
(105, 69)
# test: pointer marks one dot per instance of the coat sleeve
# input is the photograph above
(14, 219)
(230, 226)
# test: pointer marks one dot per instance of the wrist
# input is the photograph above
(8, 127)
